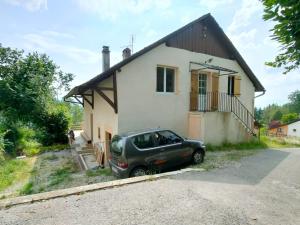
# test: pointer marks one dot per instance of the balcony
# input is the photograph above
(221, 102)
(211, 102)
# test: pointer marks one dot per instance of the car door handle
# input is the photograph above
(162, 149)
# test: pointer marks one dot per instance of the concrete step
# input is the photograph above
(87, 161)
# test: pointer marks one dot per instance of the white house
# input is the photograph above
(193, 81)
(293, 129)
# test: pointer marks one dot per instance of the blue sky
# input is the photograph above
(72, 33)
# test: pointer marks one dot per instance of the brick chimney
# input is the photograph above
(126, 53)
(105, 58)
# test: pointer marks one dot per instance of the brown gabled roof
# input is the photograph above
(275, 123)
(207, 17)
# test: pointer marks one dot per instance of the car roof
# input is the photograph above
(138, 132)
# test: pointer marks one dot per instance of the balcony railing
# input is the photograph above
(222, 102)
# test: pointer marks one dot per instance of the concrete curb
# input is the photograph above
(6, 203)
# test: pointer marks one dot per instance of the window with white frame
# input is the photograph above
(165, 79)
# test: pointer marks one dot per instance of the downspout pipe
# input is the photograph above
(260, 94)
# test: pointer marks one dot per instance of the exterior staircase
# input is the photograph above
(84, 152)
(243, 115)
(223, 102)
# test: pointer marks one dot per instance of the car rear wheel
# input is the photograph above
(139, 171)
(198, 157)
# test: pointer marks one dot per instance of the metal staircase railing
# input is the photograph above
(243, 114)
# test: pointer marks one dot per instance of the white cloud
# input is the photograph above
(243, 16)
(245, 39)
(112, 9)
(212, 4)
(278, 86)
(56, 34)
(30, 5)
(43, 42)
(271, 43)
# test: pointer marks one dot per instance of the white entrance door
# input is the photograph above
(202, 99)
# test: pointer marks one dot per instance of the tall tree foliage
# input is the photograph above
(285, 113)
(286, 15)
(294, 104)
(28, 83)
(28, 86)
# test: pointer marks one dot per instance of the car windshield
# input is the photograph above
(117, 145)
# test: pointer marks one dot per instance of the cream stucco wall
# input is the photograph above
(219, 127)
(140, 106)
(104, 116)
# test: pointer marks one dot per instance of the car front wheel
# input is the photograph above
(198, 157)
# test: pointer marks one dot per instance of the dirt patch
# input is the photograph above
(55, 170)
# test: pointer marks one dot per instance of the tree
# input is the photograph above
(269, 112)
(290, 117)
(286, 15)
(258, 114)
(28, 83)
(28, 86)
(77, 114)
(294, 104)
(277, 115)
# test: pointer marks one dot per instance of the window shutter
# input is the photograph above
(194, 82)
(237, 85)
(194, 91)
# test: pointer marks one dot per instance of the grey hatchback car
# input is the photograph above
(136, 153)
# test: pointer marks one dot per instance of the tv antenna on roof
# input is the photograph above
(130, 45)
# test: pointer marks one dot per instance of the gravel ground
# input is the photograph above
(260, 189)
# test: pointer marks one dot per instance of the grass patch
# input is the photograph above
(280, 142)
(62, 174)
(14, 170)
(99, 172)
(226, 146)
(54, 148)
(27, 189)
(34, 148)
(51, 157)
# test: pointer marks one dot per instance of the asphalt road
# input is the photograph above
(261, 189)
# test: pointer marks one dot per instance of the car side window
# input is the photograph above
(167, 138)
(143, 141)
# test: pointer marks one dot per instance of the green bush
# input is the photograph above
(11, 137)
(2, 146)
(27, 142)
(56, 125)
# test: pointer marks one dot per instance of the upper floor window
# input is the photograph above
(234, 85)
(165, 79)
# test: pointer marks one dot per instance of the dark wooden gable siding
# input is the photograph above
(200, 37)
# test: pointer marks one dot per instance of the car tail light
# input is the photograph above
(122, 165)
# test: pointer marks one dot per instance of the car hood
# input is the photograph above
(195, 142)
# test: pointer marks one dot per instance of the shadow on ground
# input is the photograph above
(250, 170)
